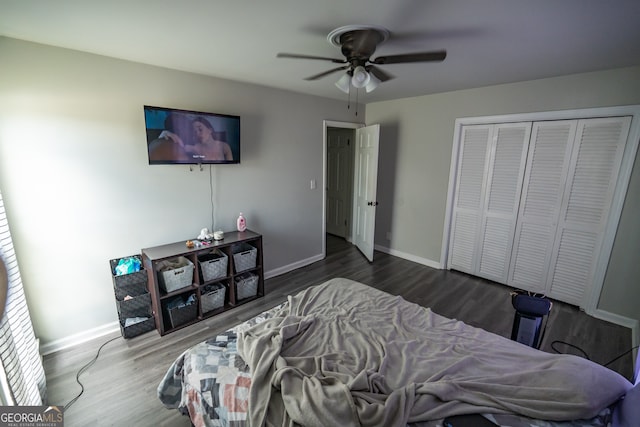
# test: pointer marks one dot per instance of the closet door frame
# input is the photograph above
(624, 175)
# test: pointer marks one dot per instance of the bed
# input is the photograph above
(343, 353)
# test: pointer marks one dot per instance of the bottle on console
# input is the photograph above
(241, 223)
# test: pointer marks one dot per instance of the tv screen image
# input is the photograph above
(191, 137)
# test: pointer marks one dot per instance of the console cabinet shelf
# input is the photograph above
(190, 298)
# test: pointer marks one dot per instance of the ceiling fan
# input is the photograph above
(358, 43)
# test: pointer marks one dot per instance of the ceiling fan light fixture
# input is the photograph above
(373, 83)
(343, 83)
(358, 43)
(360, 77)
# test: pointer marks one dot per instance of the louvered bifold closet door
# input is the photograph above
(590, 185)
(468, 201)
(542, 192)
(507, 158)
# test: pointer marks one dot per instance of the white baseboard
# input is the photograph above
(409, 257)
(112, 327)
(294, 266)
(617, 319)
(79, 338)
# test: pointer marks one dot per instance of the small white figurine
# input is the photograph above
(203, 234)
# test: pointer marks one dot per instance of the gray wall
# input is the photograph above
(415, 156)
(78, 189)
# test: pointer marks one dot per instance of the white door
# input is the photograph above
(543, 189)
(469, 193)
(590, 186)
(365, 187)
(571, 178)
(489, 180)
(339, 180)
(567, 185)
(507, 159)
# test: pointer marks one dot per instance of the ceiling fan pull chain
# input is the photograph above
(357, 91)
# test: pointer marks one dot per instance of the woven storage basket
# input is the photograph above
(244, 257)
(138, 306)
(183, 314)
(246, 286)
(213, 297)
(132, 290)
(213, 265)
(128, 284)
(175, 274)
(137, 328)
(114, 263)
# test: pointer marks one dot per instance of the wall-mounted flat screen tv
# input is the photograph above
(191, 137)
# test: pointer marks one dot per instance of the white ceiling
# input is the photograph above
(488, 41)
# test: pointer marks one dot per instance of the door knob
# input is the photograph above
(372, 203)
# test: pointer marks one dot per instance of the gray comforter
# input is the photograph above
(343, 353)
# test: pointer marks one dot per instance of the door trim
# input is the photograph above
(329, 124)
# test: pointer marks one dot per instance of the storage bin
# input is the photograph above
(213, 265)
(212, 297)
(244, 257)
(132, 289)
(174, 274)
(183, 313)
(246, 286)
(138, 306)
(123, 280)
(132, 296)
(137, 328)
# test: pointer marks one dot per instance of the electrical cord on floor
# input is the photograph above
(553, 347)
(83, 369)
(586, 356)
(621, 355)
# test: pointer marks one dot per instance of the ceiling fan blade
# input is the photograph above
(326, 73)
(299, 56)
(438, 55)
(383, 76)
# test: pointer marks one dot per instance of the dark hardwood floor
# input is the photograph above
(120, 387)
